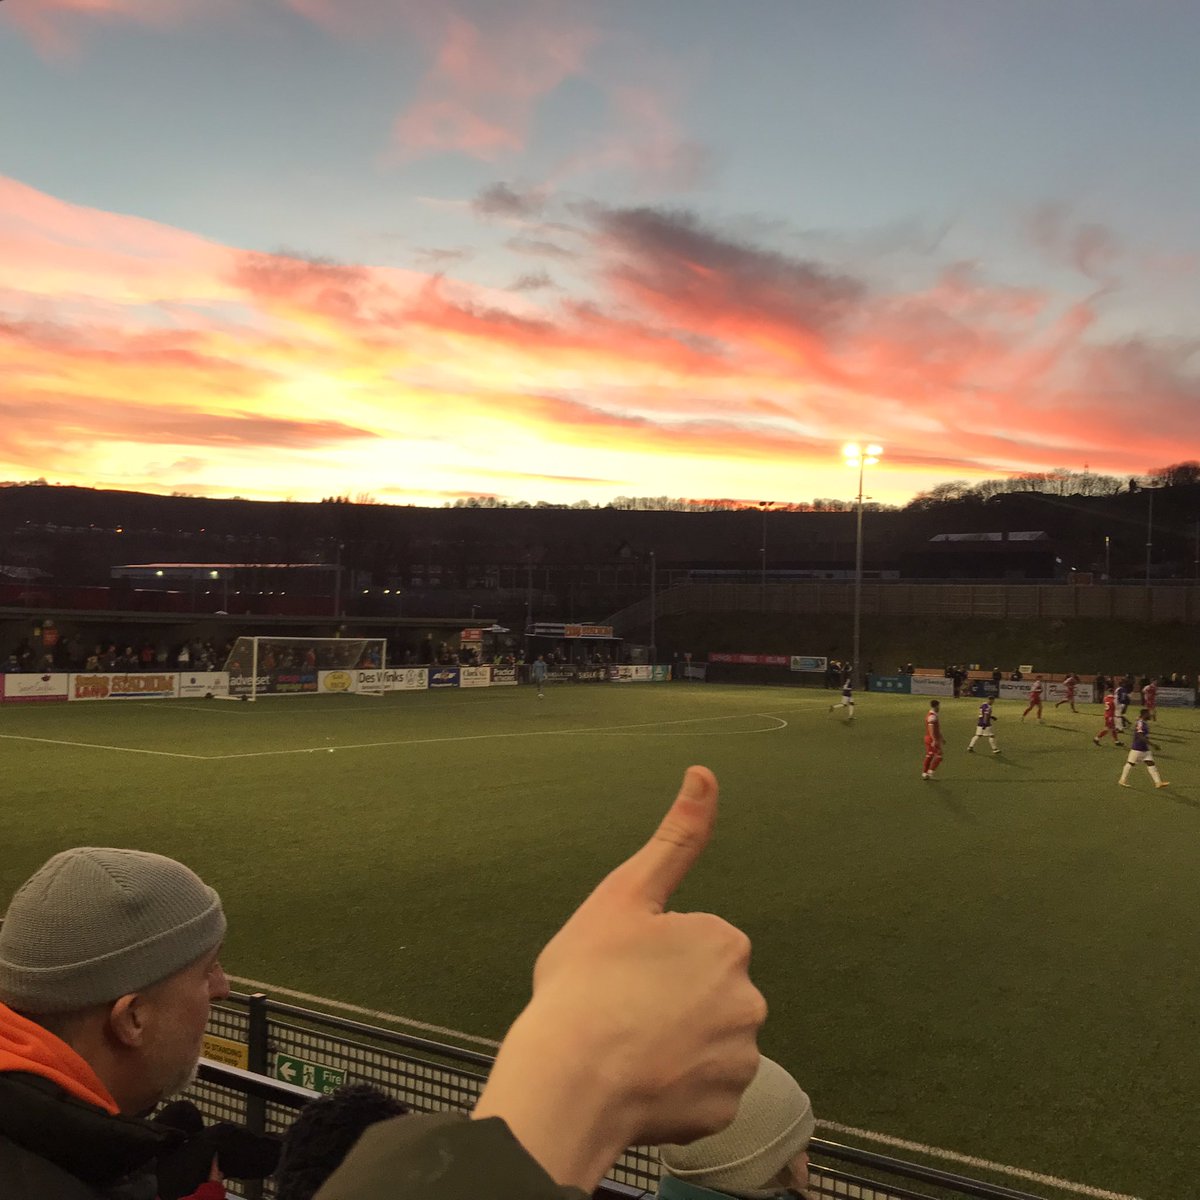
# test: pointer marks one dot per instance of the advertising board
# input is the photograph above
(592, 675)
(660, 673)
(504, 676)
(629, 673)
(808, 662)
(475, 677)
(443, 677)
(340, 681)
(407, 679)
(1170, 697)
(204, 684)
(888, 683)
(753, 660)
(21, 688)
(139, 685)
(930, 685)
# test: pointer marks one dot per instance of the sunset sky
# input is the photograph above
(574, 249)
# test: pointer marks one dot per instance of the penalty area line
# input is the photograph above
(17, 737)
(978, 1164)
(483, 737)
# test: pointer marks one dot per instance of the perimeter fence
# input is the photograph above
(264, 1059)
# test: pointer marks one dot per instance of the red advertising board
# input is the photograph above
(752, 660)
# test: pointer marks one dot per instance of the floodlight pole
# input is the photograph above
(1149, 532)
(858, 456)
(858, 571)
(653, 606)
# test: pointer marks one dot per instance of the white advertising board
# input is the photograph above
(1168, 697)
(931, 685)
(475, 677)
(204, 683)
(22, 688)
(407, 679)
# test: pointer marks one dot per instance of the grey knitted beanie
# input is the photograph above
(97, 923)
(774, 1123)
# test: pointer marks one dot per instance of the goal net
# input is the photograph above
(294, 666)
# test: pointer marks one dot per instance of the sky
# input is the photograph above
(568, 250)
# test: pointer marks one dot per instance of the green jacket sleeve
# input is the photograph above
(441, 1157)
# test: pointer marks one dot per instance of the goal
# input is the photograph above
(297, 666)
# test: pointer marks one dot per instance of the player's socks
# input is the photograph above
(1124, 781)
(1155, 776)
(1162, 783)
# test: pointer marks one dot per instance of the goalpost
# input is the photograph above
(300, 666)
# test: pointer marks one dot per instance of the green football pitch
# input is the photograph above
(999, 963)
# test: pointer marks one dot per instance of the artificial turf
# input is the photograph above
(999, 962)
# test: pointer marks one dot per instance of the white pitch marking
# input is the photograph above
(980, 1164)
(483, 737)
(391, 1018)
(1066, 1185)
(733, 732)
(16, 737)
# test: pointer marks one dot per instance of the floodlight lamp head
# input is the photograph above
(874, 450)
(852, 452)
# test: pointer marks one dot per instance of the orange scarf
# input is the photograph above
(26, 1046)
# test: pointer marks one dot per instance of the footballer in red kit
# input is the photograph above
(933, 740)
(1110, 720)
(1035, 699)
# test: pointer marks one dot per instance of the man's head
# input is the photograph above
(935, 704)
(766, 1146)
(116, 952)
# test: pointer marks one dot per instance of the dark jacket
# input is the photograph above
(442, 1157)
(61, 1137)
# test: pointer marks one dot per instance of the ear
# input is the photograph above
(128, 1019)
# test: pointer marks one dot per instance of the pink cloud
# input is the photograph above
(487, 77)
(56, 27)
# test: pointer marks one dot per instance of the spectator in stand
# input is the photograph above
(1101, 687)
(997, 676)
(93, 661)
(606, 990)
(108, 965)
(763, 1153)
(326, 1130)
(12, 665)
(184, 658)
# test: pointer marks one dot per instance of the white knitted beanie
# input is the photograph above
(774, 1123)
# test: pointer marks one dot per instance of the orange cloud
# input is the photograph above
(702, 365)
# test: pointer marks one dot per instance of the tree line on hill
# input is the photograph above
(1059, 482)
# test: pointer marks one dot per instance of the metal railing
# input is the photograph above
(268, 1039)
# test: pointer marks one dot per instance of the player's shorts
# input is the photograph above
(847, 701)
(1140, 756)
(1110, 723)
(983, 731)
(930, 744)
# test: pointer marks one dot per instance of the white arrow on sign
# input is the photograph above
(287, 1072)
